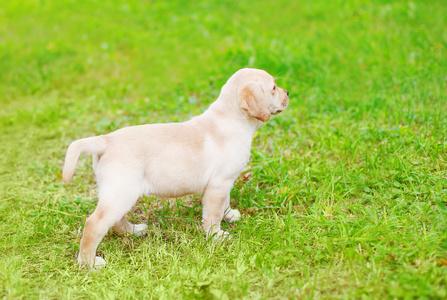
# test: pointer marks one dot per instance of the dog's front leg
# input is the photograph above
(214, 201)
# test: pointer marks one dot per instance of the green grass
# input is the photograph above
(348, 197)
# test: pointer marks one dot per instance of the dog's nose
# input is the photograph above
(287, 92)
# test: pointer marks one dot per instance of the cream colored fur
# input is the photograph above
(203, 156)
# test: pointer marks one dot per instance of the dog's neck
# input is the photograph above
(228, 107)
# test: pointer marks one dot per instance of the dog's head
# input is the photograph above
(257, 94)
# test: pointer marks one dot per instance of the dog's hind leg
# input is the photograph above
(124, 227)
(95, 229)
(113, 204)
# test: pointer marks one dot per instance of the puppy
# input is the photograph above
(202, 156)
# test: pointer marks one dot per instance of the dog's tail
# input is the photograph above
(91, 145)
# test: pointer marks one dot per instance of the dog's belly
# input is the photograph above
(168, 186)
(175, 179)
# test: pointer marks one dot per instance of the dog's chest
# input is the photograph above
(235, 157)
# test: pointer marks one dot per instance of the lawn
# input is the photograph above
(348, 195)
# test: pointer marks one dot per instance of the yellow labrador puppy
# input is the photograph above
(202, 156)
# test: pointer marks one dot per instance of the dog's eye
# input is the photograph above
(274, 87)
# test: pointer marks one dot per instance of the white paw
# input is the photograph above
(139, 229)
(99, 263)
(221, 236)
(232, 215)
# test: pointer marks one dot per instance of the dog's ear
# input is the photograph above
(252, 99)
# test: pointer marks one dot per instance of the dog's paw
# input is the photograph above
(98, 264)
(139, 229)
(221, 236)
(232, 215)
